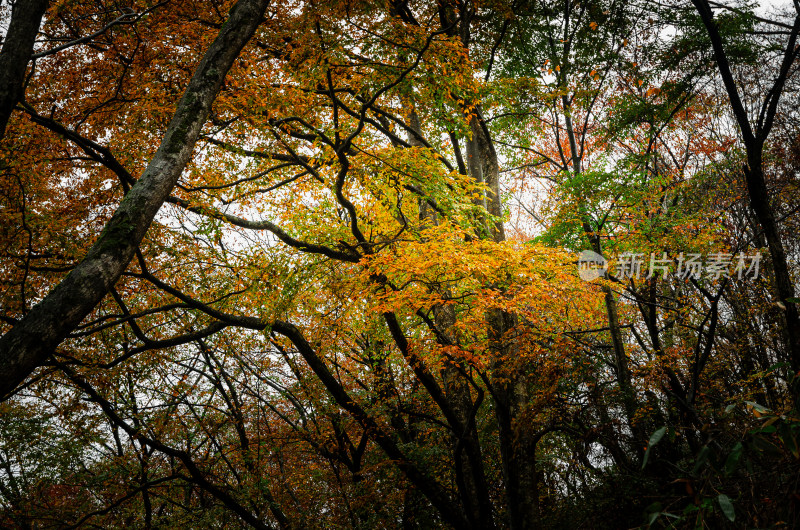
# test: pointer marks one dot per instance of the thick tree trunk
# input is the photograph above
(26, 16)
(517, 443)
(36, 335)
(509, 390)
(467, 454)
(470, 476)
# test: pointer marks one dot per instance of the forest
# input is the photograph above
(400, 264)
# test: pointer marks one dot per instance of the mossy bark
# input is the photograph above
(28, 344)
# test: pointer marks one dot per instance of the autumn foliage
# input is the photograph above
(359, 305)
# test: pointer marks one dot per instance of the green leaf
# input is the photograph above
(727, 506)
(654, 439)
(765, 446)
(657, 436)
(732, 462)
(758, 408)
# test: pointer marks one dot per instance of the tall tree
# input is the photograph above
(26, 16)
(38, 333)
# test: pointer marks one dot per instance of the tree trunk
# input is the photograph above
(36, 335)
(26, 16)
(467, 455)
(754, 139)
(517, 445)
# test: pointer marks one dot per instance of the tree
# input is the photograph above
(34, 337)
(333, 313)
(755, 134)
(16, 52)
